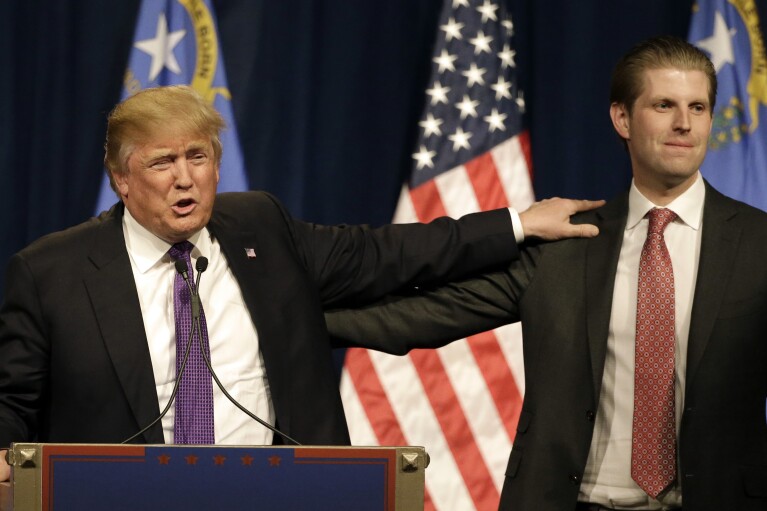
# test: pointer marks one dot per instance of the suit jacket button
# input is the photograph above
(590, 415)
(575, 479)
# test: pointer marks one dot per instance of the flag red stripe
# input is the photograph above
(488, 188)
(527, 151)
(499, 379)
(427, 202)
(377, 407)
(462, 444)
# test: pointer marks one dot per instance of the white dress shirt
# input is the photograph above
(607, 479)
(234, 348)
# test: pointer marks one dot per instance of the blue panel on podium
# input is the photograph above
(165, 478)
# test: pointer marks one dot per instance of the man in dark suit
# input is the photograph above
(581, 441)
(88, 349)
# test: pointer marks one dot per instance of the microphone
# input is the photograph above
(182, 268)
(201, 266)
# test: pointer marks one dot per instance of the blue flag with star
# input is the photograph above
(736, 163)
(176, 42)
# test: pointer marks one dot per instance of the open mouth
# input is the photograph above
(184, 206)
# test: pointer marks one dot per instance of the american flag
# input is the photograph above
(461, 402)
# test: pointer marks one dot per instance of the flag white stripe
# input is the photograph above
(362, 433)
(457, 192)
(405, 212)
(510, 339)
(513, 172)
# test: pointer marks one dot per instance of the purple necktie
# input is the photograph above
(194, 403)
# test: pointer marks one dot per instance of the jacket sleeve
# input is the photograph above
(353, 265)
(433, 317)
(24, 352)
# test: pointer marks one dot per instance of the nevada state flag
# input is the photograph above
(736, 163)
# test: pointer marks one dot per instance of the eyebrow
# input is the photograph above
(165, 152)
(666, 99)
(196, 146)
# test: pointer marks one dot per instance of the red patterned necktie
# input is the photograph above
(653, 449)
(193, 422)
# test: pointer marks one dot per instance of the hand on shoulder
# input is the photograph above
(549, 219)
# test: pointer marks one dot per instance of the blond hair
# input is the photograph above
(136, 119)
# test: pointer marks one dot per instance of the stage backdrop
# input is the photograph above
(326, 95)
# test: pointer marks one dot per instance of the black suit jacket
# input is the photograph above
(74, 361)
(562, 293)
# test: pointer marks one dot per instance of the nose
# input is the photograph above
(182, 174)
(682, 119)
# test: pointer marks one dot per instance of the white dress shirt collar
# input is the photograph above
(146, 249)
(688, 206)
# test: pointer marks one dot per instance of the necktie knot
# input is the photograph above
(659, 219)
(181, 250)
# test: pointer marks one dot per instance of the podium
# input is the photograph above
(169, 477)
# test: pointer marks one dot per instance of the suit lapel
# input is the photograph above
(115, 303)
(601, 266)
(718, 246)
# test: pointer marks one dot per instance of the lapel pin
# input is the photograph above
(250, 253)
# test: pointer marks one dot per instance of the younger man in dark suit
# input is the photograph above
(644, 348)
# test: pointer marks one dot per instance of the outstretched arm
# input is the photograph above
(430, 318)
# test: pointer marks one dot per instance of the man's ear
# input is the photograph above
(121, 182)
(620, 117)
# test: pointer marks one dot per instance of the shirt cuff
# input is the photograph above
(516, 224)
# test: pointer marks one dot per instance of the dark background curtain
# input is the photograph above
(326, 95)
